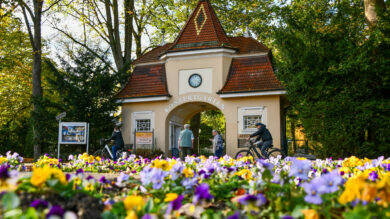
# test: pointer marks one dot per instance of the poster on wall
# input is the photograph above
(73, 133)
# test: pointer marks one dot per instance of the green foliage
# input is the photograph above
(15, 85)
(336, 71)
(86, 88)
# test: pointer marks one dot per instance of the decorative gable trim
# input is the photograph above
(200, 19)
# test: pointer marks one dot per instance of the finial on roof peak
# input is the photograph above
(163, 37)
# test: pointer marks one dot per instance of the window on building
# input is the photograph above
(143, 125)
(250, 122)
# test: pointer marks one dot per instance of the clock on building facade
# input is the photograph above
(195, 80)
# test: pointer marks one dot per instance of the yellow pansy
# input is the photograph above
(89, 187)
(310, 214)
(40, 175)
(353, 162)
(245, 173)
(170, 197)
(3, 160)
(369, 192)
(133, 202)
(131, 215)
(188, 172)
(91, 159)
(352, 190)
(98, 158)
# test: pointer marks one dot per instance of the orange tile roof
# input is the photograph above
(244, 45)
(145, 81)
(251, 74)
(153, 55)
(248, 45)
(202, 30)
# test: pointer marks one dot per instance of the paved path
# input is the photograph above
(97, 176)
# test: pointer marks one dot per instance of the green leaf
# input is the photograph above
(357, 213)
(149, 206)
(10, 201)
(297, 212)
(108, 215)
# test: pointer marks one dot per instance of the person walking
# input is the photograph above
(118, 141)
(217, 144)
(186, 141)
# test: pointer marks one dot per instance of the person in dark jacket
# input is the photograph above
(118, 141)
(262, 133)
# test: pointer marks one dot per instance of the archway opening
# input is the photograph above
(203, 118)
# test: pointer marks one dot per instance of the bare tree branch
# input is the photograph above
(50, 6)
(28, 28)
(86, 47)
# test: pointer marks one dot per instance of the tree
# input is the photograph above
(33, 10)
(15, 85)
(336, 72)
(104, 18)
(86, 88)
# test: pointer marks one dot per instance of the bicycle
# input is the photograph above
(253, 150)
(105, 152)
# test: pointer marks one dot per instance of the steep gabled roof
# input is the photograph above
(251, 74)
(145, 81)
(202, 30)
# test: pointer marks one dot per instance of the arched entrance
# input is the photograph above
(178, 116)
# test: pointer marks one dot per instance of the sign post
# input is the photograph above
(58, 118)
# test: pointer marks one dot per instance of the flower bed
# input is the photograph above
(198, 187)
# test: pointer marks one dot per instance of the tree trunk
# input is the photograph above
(195, 125)
(371, 8)
(36, 78)
(129, 12)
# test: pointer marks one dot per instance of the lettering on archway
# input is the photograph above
(194, 98)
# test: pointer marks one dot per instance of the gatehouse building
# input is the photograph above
(204, 69)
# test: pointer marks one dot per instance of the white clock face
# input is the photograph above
(195, 80)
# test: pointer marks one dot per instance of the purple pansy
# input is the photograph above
(55, 211)
(175, 204)
(373, 176)
(79, 171)
(312, 194)
(4, 172)
(300, 168)
(236, 215)
(39, 203)
(103, 180)
(202, 192)
(147, 216)
(330, 182)
(257, 200)
(188, 183)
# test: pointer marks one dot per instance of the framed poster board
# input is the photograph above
(73, 133)
(144, 137)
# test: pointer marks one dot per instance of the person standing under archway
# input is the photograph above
(186, 141)
(217, 144)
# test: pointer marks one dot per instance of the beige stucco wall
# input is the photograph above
(231, 105)
(181, 107)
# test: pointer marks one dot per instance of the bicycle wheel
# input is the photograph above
(101, 153)
(243, 153)
(275, 153)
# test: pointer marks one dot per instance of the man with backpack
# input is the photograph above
(262, 133)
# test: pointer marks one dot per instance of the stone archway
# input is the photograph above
(179, 115)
